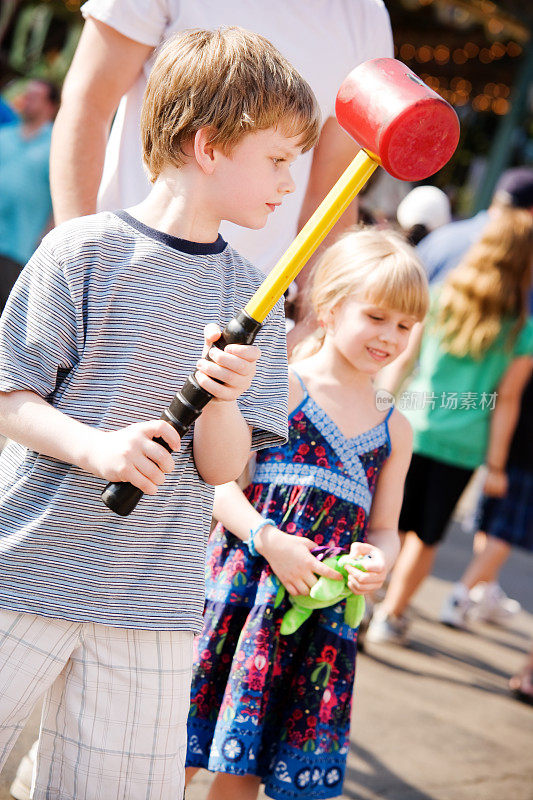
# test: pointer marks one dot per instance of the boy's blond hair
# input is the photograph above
(230, 80)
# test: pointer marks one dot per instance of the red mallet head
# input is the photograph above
(400, 121)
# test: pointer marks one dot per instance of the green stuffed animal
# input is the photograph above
(327, 592)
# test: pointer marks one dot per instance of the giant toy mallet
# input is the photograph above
(401, 124)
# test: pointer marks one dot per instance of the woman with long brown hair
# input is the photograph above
(477, 329)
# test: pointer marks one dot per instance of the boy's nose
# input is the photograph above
(287, 185)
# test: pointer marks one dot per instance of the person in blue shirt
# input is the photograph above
(7, 114)
(25, 202)
(443, 248)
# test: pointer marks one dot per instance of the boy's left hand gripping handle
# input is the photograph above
(185, 408)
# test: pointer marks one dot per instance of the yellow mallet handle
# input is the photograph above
(314, 231)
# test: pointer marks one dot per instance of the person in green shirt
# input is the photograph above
(505, 510)
(478, 327)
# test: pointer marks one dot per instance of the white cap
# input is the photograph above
(424, 205)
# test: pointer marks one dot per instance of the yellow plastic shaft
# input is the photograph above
(314, 231)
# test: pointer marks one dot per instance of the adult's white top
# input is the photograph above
(324, 39)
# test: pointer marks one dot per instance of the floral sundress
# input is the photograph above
(271, 705)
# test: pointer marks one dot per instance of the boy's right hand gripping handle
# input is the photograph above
(185, 408)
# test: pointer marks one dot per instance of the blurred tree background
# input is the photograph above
(476, 53)
(37, 39)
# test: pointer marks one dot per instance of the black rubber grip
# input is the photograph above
(185, 408)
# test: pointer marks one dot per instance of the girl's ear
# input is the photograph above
(329, 319)
(204, 152)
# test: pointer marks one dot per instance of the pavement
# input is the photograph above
(435, 720)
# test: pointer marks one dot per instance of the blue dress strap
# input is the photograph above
(386, 423)
(300, 381)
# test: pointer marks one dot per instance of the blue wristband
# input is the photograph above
(250, 541)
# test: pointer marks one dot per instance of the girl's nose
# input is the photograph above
(389, 334)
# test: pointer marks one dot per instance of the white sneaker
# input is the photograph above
(491, 604)
(456, 607)
(386, 629)
(21, 786)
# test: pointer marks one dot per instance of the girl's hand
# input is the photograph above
(366, 582)
(496, 483)
(291, 559)
(234, 366)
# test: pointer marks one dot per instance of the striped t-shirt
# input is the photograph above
(105, 322)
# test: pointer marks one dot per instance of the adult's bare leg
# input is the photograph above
(485, 565)
(414, 564)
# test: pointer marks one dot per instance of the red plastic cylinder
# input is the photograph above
(399, 120)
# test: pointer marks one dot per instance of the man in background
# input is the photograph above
(25, 202)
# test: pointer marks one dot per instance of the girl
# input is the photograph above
(272, 708)
(478, 329)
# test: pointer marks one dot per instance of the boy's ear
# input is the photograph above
(204, 152)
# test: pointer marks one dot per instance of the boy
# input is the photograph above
(106, 320)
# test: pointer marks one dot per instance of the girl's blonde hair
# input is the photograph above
(230, 80)
(372, 264)
(488, 288)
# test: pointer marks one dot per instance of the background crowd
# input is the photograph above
(470, 405)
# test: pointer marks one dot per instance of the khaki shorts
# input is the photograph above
(114, 723)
